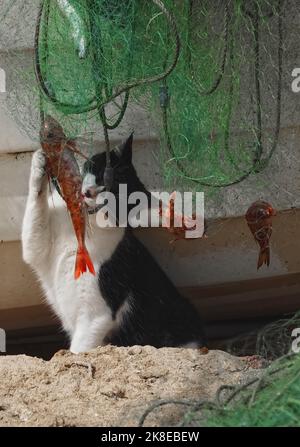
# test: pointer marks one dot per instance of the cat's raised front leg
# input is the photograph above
(38, 178)
(35, 230)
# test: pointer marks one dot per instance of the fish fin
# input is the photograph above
(264, 257)
(83, 261)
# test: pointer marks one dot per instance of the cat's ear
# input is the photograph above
(124, 151)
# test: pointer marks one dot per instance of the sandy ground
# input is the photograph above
(111, 386)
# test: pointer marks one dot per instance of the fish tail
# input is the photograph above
(264, 257)
(83, 261)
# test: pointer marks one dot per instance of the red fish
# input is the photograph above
(62, 165)
(169, 214)
(259, 220)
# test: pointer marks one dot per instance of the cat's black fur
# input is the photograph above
(158, 315)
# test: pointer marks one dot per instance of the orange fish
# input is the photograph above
(169, 213)
(62, 165)
(259, 220)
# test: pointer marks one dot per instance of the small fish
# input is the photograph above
(259, 220)
(62, 165)
(168, 214)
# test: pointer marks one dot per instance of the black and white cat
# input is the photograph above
(130, 301)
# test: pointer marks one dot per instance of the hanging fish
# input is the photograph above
(69, 8)
(187, 223)
(62, 165)
(259, 220)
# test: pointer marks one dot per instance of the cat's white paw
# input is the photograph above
(38, 171)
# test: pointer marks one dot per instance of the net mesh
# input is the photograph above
(271, 341)
(268, 397)
(273, 402)
(217, 113)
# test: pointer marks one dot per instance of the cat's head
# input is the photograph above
(123, 173)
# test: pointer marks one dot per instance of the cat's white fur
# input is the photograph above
(49, 246)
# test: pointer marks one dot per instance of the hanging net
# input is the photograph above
(208, 73)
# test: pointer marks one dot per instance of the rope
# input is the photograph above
(225, 36)
(94, 103)
(234, 391)
(247, 11)
(121, 114)
(195, 406)
(259, 164)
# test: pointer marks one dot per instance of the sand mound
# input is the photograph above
(111, 386)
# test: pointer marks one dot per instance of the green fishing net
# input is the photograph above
(208, 73)
(270, 341)
(275, 404)
(271, 397)
(267, 395)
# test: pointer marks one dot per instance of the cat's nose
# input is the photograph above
(90, 193)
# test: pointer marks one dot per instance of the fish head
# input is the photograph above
(260, 210)
(51, 131)
(265, 209)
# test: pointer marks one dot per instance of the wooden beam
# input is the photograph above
(236, 301)
(263, 297)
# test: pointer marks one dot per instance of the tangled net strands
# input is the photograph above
(98, 100)
(210, 76)
(271, 342)
(261, 395)
(273, 402)
(271, 399)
